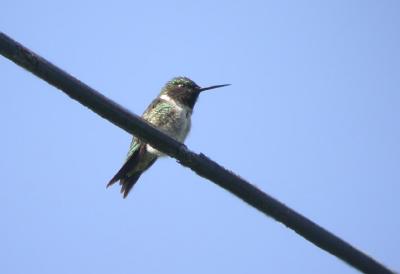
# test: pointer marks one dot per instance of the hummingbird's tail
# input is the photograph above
(128, 182)
(127, 175)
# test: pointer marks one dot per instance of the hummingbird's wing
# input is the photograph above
(138, 160)
(131, 161)
(135, 152)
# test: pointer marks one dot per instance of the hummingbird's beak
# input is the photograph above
(212, 87)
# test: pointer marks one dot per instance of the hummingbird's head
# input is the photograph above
(184, 90)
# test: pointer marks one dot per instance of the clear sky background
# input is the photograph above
(312, 118)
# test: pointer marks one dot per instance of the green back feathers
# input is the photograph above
(152, 114)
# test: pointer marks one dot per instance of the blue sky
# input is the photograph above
(312, 118)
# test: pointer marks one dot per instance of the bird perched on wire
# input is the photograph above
(171, 113)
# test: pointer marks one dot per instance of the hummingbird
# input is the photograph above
(171, 113)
